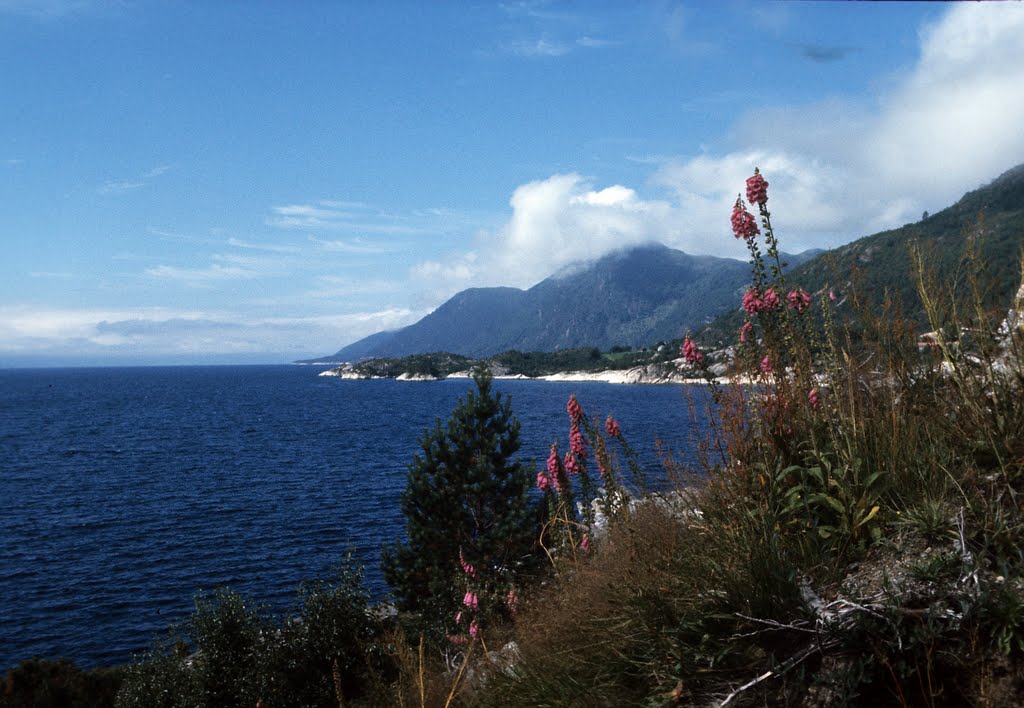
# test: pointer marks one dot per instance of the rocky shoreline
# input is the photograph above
(670, 373)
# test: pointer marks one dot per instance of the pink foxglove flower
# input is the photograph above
(577, 443)
(770, 301)
(745, 330)
(757, 189)
(458, 617)
(812, 397)
(612, 427)
(690, 353)
(574, 409)
(470, 600)
(543, 481)
(752, 302)
(571, 466)
(744, 225)
(556, 470)
(466, 567)
(474, 629)
(766, 365)
(799, 300)
(585, 543)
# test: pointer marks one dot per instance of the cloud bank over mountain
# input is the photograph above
(840, 167)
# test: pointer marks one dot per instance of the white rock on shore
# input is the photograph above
(415, 377)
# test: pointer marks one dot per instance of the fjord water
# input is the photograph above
(124, 491)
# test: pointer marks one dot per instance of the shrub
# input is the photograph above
(230, 653)
(471, 526)
(856, 536)
(58, 684)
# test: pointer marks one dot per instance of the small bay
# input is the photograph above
(124, 491)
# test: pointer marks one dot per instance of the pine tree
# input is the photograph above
(470, 522)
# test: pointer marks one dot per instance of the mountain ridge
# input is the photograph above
(631, 297)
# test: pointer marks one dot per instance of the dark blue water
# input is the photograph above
(125, 491)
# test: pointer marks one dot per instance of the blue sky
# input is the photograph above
(188, 182)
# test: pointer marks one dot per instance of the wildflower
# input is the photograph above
(752, 302)
(601, 455)
(746, 329)
(690, 352)
(744, 225)
(556, 470)
(458, 617)
(612, 427)
(466, 567)
(757, 189)
(571, 466)
(474, 629)
(512, 601)
(766, 365)
(799, 300)
(770, 301)
(832, 295)
(577, 443)
(543, 481)
(585, 543)
(470, 600)
(574, 408)
(812, 397)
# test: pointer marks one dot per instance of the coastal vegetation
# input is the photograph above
(517, 363)
(470, 521)
(853, 533)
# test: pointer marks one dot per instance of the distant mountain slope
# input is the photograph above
(880, 265)
(630, 298)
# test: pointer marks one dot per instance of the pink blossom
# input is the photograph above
(556, 470)
(574, 408)
(466, 567)
(832, 295)
(752, 302)
(474, 629)
(601, 455)
(746, 329)
(690, 352)
(757, 189)
(799, 300)
(571, 466)
(577, 443)
(585, 543)
(744, 225)
(766, 365)
(458, 617)
(543, 481)
(770, 300)
(470, 600)
(812, 397)
(612, 427)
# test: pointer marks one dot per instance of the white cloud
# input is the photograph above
(122, 186)
(202, 276)
(838, 169)
(332, 215)
(554, 222)
(271, 247)
(537, 48)
(355, 246)
(28, 331)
